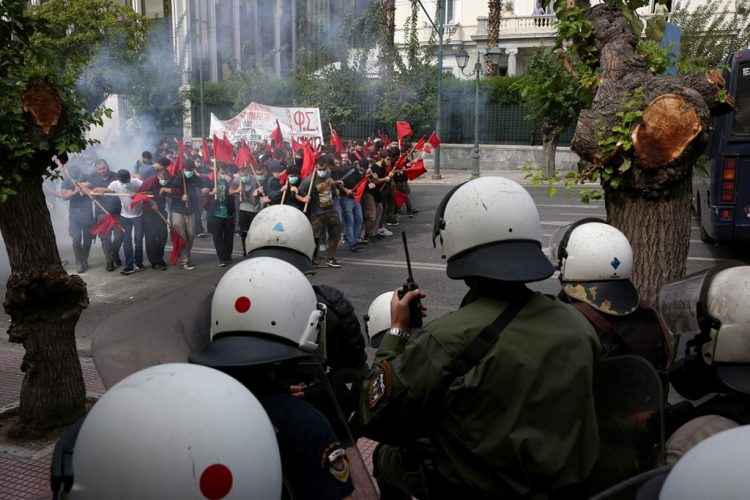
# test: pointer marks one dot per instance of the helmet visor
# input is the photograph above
(555, 242)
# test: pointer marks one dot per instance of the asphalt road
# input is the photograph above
(136, 303)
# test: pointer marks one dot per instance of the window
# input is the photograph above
(449, 11)
(741, 125)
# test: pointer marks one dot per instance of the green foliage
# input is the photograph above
(95, 39)
(656, 56)
(551, 93)
(21, 60)
(335, 91)
(578, 182)
(708, 34)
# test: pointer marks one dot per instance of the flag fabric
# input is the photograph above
(415, 170)
(427, 148)
(359, 190)
(296, 146)
(223, 150)
(420, 144)
(204, 152)
(400, 198)
(106, 224)
(308, 161)
(244, 156)
(276, 137)
(181, 148)
(434, 140)
(176, 167)
(177, 244)
(139, 197)
(401, 162)
(336, 141)
(402, 130)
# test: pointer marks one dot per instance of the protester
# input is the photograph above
(131, 220)
(112, 238)
(155, 229)
(140, 165)
(220, 210)
(347, 176)
(183, 207)
(318, 192)
(80, 216)
(249, 194)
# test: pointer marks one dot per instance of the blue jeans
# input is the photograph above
(351, 219)
(133, 231)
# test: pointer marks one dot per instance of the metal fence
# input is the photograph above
(498, 123)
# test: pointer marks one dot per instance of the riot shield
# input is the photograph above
(629, 404)
(165, 330)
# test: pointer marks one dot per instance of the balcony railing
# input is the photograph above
(527, 25)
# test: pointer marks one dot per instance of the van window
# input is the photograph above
(741, 124)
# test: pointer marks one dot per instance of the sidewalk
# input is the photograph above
(24, 473)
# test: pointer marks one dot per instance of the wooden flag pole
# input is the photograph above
(309, 191)
(216, 181)
(184, 188)
(283, 196)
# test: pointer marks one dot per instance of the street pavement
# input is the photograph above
(140, 320)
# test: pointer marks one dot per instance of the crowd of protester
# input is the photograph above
(351, 193)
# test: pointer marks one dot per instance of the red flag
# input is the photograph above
(244, 156)
(336, 141)
(427, 148)
(139, 197)
(177, 244)
(176, 167)
(359, 190)
(365, 149)
(402, 130)
(400, 198)
(104, 225)
(276, 136)
(183, 150)
(223, 150)
(308, 161)
(420, 144)
(296, 146)
(416, 170)
(434, 140)
(401, 162)
(204, 152)
(386, 139)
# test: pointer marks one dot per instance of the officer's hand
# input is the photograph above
(400, 308)
(296, 391)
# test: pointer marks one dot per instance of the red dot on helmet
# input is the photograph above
(216, 481)
(242, 304)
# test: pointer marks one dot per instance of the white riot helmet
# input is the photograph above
(263, 311)
(489, 227)
(176, 431)
(595, 262)
(713, 306)
(715, 468)
(284, 232)
(378, 318)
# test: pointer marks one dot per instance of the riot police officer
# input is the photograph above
(501, 389)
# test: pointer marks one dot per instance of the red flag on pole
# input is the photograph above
(177, 244)
(400, 198)
(434, 140)
(336, 141)
(139, 197)
(176, 167)
(402, 130)
(223, 150)
(420, 144)
(359, 190)
(244, 156)
(107, 223)
(276, 137)
(308, 161)
(183, 150)
(204, 152)
(296, 146)
(427, 148)
(416, 170)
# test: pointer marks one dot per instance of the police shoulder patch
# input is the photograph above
(335, 460)
(375, 389)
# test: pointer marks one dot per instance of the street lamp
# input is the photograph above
(462, 60)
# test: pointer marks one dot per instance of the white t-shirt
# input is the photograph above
(133, 186)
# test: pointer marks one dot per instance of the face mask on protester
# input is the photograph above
(189, 173)
(321, 173)
(245, 179)
(293, 180)
(261, 178)
(163, 182)
(125, 185)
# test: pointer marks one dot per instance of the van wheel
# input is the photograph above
(705, 237)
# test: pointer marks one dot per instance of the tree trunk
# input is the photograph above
(658, 231)
(493, 32)
(550, 135)
(44, 304)
(647, 169)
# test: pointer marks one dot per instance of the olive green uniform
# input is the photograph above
(521, 421)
